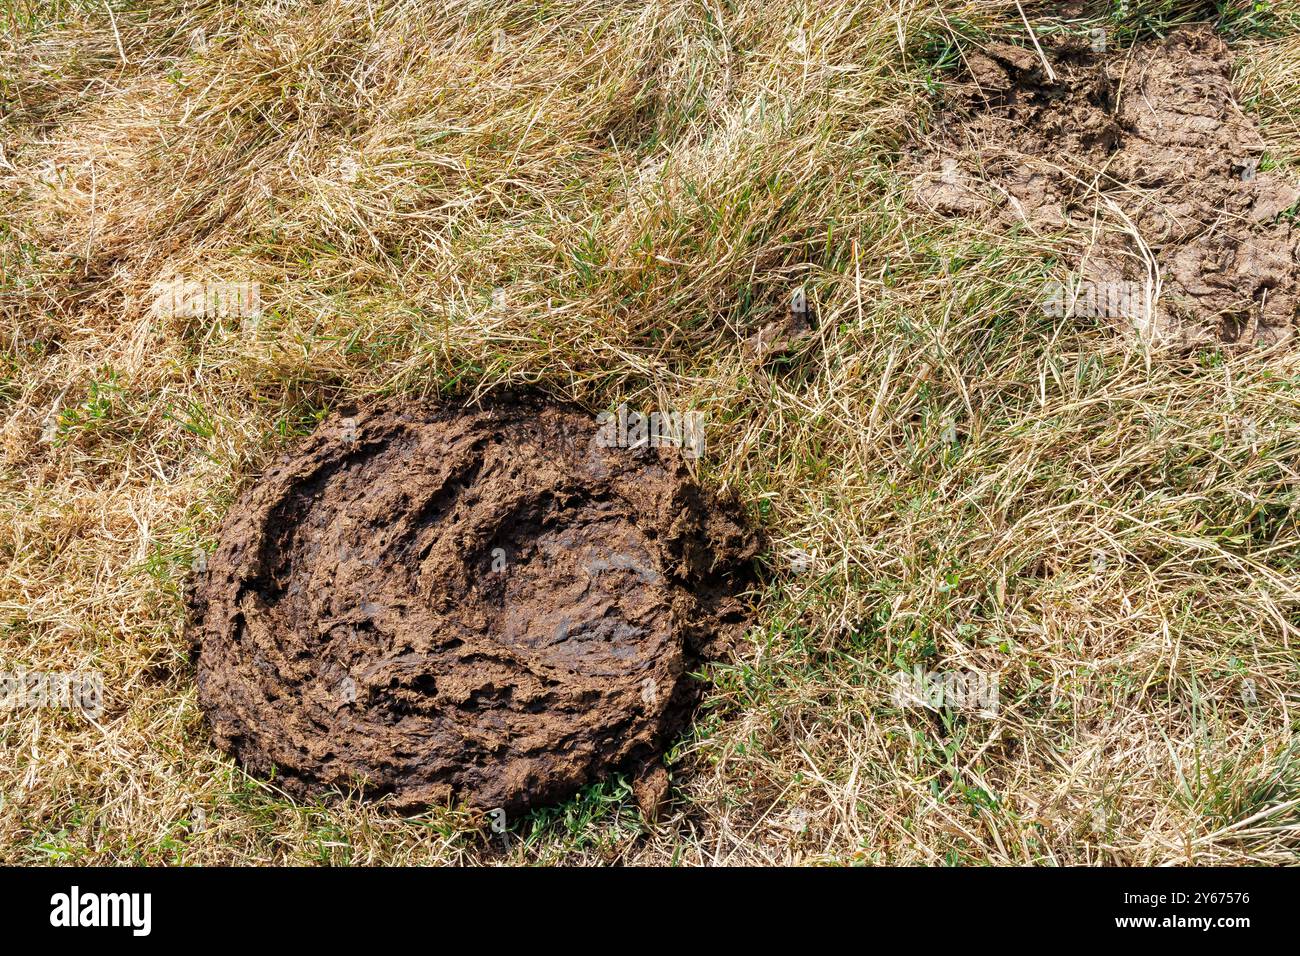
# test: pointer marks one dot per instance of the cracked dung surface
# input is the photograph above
(1145, 157)
(474, 606)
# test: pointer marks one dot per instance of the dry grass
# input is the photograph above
(648, 180)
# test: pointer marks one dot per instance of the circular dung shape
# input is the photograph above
(483, 607)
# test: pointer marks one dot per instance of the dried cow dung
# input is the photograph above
(1143, 157)
(481, 606)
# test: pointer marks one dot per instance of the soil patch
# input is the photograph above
(1145, 155)
(483, 606)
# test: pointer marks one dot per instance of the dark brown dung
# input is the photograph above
(1144, 157)
(483, 607)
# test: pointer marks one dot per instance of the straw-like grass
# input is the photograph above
(1111, 532)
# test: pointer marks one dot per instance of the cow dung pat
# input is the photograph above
(484, 607)
(1145, 159)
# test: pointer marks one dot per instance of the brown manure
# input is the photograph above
(1146, 158)
(487, 607)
